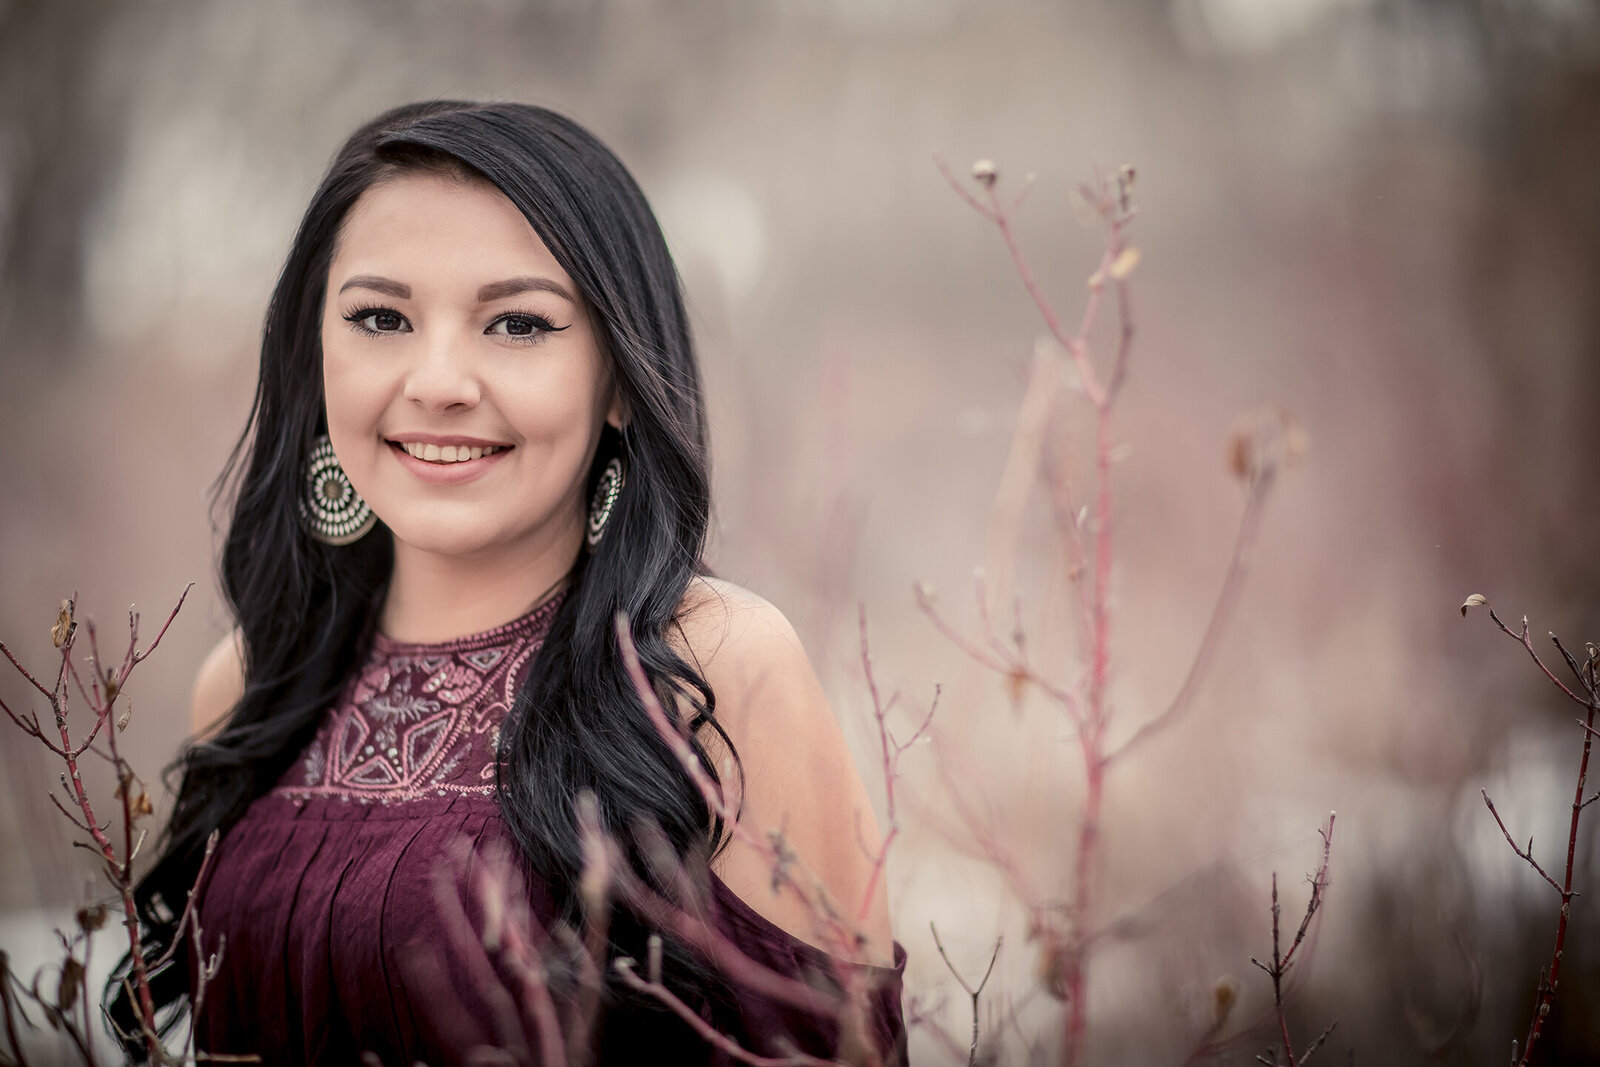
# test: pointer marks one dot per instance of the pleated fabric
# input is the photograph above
(370, 904)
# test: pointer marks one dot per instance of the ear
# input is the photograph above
(616, 410)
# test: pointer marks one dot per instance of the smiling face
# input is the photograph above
(465, 383)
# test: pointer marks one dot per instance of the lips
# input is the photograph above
(447, 460)
(433, 448)
(431, 453)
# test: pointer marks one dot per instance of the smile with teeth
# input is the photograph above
(448, 453)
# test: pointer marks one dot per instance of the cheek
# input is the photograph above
(557, 406)
(351, 389)
(353, 402)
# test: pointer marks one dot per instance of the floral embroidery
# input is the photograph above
(420, 720)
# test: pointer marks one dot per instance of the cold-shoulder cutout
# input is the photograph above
(799, 776)
(218, 685)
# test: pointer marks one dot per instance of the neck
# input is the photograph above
(437, 598)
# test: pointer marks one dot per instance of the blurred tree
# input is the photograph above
(54, 160)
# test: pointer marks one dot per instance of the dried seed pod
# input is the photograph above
(62, 630)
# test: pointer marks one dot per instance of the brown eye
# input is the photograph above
(377, 320)
(524, 327)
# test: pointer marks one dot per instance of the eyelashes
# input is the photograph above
(518, 327)
(526, 327)
(357, 318)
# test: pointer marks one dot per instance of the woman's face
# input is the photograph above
(465, 383)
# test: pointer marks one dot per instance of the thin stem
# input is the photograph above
(890, 751)
(839, 938)
(973, 992)
(1525, 853)
(1221, 612)
(708, 1033)
(1527, 643)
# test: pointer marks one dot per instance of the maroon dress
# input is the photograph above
(350, 895)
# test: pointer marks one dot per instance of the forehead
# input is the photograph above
(439, 226)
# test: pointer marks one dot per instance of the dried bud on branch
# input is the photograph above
(1224, 995)
(1125, 262)
(1265, 441)
(62, 630)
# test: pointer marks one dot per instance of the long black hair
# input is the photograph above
(306, 610)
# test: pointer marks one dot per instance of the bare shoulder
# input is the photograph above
(799, 776)
(736, 639)
(218, 685)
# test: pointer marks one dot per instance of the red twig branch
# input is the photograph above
(890, 751)
(1525, 853)
(1067, 931)
(105, 686)
(842, 939)
(1283, 960)
(1585, 674)
(626, 970)
(838, 936)
(1527, 642)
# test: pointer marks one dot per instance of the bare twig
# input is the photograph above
(973, 992)
(1525, 853)
(1527, 643)
(100, 693)
(839, 937)
(1283, 960)
(927, 1019)
(890, 750)
(626, 970)
(1544, 996)
(1221, 613)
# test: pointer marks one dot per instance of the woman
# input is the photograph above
(478, 440)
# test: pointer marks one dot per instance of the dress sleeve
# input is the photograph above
(771, 1027)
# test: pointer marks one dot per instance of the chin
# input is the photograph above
(439, 536)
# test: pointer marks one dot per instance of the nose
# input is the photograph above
(442, 377)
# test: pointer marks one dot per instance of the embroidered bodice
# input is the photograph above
(420, 720)
(350, 896)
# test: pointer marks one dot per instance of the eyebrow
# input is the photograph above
(378, 285)
(514, 286)
(490, 292)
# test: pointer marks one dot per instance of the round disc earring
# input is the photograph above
(606, 491)
(330, 507)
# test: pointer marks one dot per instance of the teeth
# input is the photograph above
(448, 453)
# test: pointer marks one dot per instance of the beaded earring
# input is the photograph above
(606, 491)
(330, 507)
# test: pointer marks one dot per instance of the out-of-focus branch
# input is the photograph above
(1067, 929)
(839, 937)
(890, 751)
(1221, 614)
(919, 1016)
(626, 970)
(1021, 471)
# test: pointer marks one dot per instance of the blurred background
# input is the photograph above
(1384, 214)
